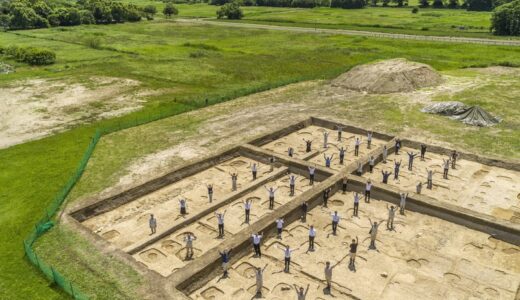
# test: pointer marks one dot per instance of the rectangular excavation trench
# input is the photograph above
(189, 277)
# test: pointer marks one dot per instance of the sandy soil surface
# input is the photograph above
(488, 190)
(169, 254)
(389, 76)
(128, 223)
(316, 134)
(35, 108)
(416, 260)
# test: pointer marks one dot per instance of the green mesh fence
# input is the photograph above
(46, 223)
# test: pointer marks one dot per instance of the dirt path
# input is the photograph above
(447, 39)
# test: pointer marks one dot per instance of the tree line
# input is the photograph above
(28, 14)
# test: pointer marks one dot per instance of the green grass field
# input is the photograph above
(428, 21)
(190, 63)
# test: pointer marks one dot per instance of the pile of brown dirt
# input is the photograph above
(389, 76)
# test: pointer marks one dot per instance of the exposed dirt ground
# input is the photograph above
(169, 254)
(128, 224)
(389, 76)
(35, 108)
(489, 190)
(416, 260)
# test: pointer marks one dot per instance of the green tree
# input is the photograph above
(231, 11)
(23, 17)
(479, 5)
(506, 19)
(42, 9)
(170, 10)
(5, 21)
(424, 3)
(438, 4)
(453, 3)
(149, 11)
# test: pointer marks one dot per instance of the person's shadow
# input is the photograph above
(328, 291)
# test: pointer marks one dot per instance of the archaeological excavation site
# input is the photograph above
(458, 236)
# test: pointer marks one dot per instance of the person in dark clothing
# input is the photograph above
(344, 185)
(397, 146)
(353, 250)
(454, 156)
(308, 145)
(386, 175)
(328, 160)
(411, 156)
(305, 206)
(397, 166)
(423, 151)
(290, 151)
(342, 151)
(326, 193)
(225, 257)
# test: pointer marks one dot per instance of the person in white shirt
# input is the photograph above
(356, 204)
(391, 216)
(254, 170)
(385, 154)
(429, 183)
(257, 238)
(153, 224)
(446, 167)
(335, 221)
(271, 192)
(247, 208)
(340, 131)
(300, 292)
(287, 256)
(373, 233)
(279, 228)
(368, 187)
(220, 221)
(259, 274)
(344, 185)
(371, 163)
(369, 139)
(188, 239)
(311, 175)
(359, 171)
(328, 273)
(325, 138)
(402, 204)
(312, 235)
(234, 179)
(292, 184)
(357, 143)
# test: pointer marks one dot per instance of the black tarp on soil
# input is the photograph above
(476, 116)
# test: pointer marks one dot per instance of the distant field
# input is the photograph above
(429, 21)
(187, 64)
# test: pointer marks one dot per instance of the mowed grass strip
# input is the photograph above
(171, 58)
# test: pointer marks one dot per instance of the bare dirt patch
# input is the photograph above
(389, 76)
(35, 108)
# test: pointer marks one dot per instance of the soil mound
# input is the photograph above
(389, 76)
